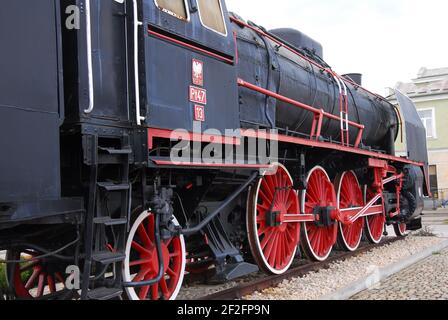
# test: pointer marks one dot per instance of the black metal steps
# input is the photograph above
(104, 293)
(108, 221)
(116, 151)
(107, 216)
(111, 186)
(108, 257)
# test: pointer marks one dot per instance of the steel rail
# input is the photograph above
(242, 290)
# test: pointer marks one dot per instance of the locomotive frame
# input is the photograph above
(141, 220)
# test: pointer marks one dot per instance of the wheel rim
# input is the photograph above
(36, 279)
(142, 263)
(318, 241)
(400, 229)
(273, 248)
(349, 196)
(374, 226)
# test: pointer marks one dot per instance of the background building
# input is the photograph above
(429, 91)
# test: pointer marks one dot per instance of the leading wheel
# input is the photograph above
(318, 239)
(38, 279)
(374, 225)
(142, 262)
(349, 195)
(273, 247)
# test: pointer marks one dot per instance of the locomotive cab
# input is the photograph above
(126, 63)
(189, 53)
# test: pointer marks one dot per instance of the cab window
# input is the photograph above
(211, 15)
(175, 8)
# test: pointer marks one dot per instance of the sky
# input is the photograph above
(386, 40)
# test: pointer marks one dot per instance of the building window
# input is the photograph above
(212, 16)
(433, 181)
(176, 8)
(429, 121)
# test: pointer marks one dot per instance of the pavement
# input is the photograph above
(426, 280)
(437, 221)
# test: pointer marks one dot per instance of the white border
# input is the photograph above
(223, 20)
(173, 14)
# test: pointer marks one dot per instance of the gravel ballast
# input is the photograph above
(341, 274)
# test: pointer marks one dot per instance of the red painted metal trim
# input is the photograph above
(346, 215)
(326, 145)
(393, 178)
(319, 114)
(296, 218)
(375, 163)
(364, 211)
(206, 138)
(295, 103)
(210, 165)
(190, 46)
(167, 134)
(235, 39)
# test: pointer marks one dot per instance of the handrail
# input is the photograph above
(89, 59)
(137, 23)
(320, 114)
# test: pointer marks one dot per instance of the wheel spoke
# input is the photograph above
(34, 276)
(266, 200)
(51, 284)
(141, 274)
(139, 262)
(164, 289)
(155, 292)
(170, 272)
(139, 248)
(41, 285)
(267, 239)
(60, 278)
(143, 294)
(144, 236)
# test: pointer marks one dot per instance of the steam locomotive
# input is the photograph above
(144, 140)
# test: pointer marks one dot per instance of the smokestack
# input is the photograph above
(355, 77)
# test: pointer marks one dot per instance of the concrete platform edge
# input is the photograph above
(383, 273)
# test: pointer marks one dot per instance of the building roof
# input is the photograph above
(429, 73)
(428, 82)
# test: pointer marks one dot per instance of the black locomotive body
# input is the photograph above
(98, 98)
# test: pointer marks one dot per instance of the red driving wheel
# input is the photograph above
(374, 226)
(273, 247)
(37, 278)
(401, 229)
(318, 240)
(349, 194)
(142, 262)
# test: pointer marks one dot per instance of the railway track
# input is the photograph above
(242, 290)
